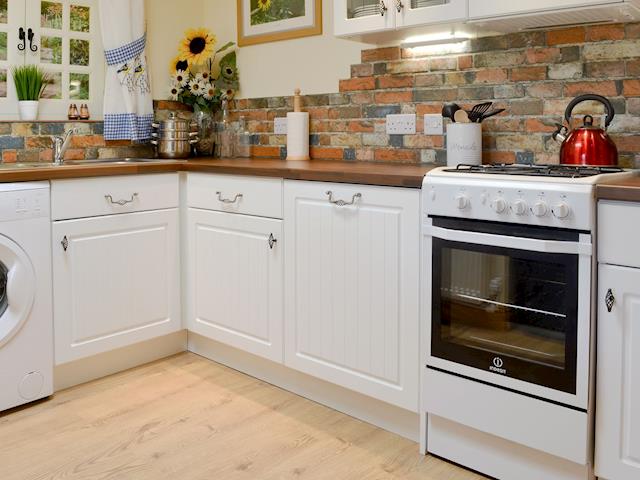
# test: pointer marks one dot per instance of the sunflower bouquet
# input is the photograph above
(194, 69)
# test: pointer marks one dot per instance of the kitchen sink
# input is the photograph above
(111, 161)
(95, 161)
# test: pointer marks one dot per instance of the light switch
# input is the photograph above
(433, 124)
(280, 125)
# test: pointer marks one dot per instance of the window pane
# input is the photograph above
(3, 83)
(54, 89)
(4, 11)
(80, 17)
(51, 50)
(79, 86)
(79, 52)
(3, 45)
(51, 15)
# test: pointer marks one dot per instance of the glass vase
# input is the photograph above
(206, 133)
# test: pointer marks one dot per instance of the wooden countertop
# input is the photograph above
(317, 170)
(625, 189)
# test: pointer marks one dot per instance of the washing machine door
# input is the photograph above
(17, 288)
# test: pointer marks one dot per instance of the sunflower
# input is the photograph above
(264, 5)
(197, 46)
(178, 64)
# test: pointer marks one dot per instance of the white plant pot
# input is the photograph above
(28, 110)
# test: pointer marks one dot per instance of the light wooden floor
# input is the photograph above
(186, 418)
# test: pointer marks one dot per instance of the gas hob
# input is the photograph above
(547, 171)
(558, 196)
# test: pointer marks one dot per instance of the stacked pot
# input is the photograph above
(173, 137)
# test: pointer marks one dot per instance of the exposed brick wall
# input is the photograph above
(31, 142)
(533, 75)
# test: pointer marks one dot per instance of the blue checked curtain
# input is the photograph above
(128, 105)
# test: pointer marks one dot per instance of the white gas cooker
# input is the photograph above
(552, 196)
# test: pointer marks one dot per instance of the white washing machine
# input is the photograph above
(26, 319)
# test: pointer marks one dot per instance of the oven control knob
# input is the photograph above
(519, 207)
(462, 201)
(499, 205)
(561, 210)
(540, 209)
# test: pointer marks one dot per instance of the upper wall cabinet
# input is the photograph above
(61, 36)
(498, 8)
(354, 17)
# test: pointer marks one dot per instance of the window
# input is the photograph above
(66, 43)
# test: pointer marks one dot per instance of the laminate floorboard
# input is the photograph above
(186, 418)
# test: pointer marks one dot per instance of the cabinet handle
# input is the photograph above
(342, 203)
(272, 241)
(609, 300)
(31, 35)
(383, 8)
(65, 243)
(399, 5)
(229, 200)
(122, 202)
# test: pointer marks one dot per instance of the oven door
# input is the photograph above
(510, 306)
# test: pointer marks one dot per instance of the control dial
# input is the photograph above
(540, 208)
(519, 207)
(462, 201)
(561, 210)
(499, 205)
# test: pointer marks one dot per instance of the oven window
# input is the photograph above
(4, 302)
(511, 312)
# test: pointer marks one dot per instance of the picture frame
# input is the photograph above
(264, 21)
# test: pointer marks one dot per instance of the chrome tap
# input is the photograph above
(60, 145)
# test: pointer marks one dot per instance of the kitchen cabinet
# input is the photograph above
(353, 17)
(116, 262)
(236, 281)
(352, 287)
(63, 38)
(499, 8)
(617, 455)
(116, 281)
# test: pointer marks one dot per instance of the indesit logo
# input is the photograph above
(498, 363)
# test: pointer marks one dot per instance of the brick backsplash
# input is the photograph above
(533, 75)
(31, 142)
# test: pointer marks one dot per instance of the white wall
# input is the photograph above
(315, 64)
(167, 21)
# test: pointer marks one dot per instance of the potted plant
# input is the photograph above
(30, 82)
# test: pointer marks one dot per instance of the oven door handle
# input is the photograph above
(519, 243)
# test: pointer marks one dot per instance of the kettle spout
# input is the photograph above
(560, 135)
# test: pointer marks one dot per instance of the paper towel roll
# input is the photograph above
(297, 136)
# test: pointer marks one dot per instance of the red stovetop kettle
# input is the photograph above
(587, 145)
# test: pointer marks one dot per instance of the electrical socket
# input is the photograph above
(280, 125)
(401, 124)
(433, 124)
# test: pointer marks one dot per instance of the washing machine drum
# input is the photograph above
(17, 288)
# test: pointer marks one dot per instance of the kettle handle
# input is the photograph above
(591, 96)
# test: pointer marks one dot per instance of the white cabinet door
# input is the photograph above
(236, 281)
(618, 385)
(352, 286)
(498, 8)
(427, 12)
(68, 44)
(116, 281)
(352, 17)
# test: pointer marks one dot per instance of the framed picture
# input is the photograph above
(262, 21)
